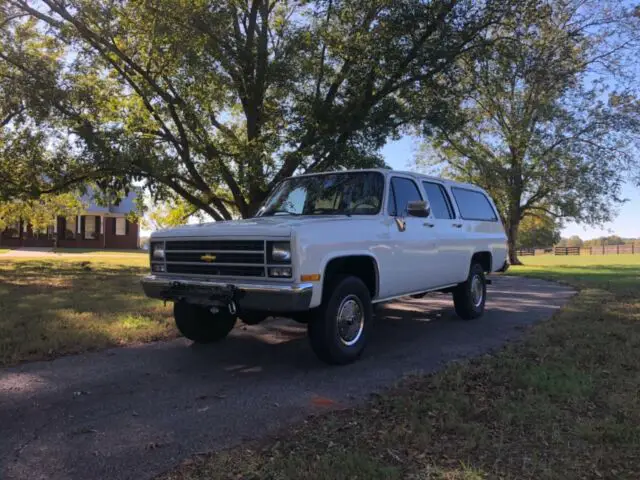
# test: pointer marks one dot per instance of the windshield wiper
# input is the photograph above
(271, 213)
(331, 211)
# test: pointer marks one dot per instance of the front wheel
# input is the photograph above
(200, 325)
(469, 297)
(340, 327)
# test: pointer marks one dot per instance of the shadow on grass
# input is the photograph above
(52, 308)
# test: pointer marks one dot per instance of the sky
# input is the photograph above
(399, 155)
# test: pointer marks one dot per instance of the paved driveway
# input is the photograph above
(134, 412)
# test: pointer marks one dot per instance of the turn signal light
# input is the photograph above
(313, 277)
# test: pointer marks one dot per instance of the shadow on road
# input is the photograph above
(134, 411)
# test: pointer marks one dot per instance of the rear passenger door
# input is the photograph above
(481, 223)
(453, 245)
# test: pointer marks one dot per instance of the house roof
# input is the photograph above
(126, 205)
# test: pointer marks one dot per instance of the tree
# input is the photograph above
(217, 101)
(532, 127)
(538, 232)
(41, 212)
(168, 214)
(574, 241)
(610, 240)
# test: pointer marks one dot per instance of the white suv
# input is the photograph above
(323, 249)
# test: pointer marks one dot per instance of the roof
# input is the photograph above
(126, 205)
(388, 171)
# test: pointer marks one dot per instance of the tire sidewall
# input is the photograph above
(325, 325)
(477, 270)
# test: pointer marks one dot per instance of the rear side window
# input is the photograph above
(474, 205)
(438, 200)
(402, 192)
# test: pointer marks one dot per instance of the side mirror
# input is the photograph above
(418, 208)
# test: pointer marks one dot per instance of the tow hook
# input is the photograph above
(232, 307)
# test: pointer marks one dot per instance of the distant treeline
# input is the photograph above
(576, 241)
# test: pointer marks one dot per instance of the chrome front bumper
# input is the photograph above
(270, 297)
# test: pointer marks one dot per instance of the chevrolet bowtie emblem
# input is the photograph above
(208, 258)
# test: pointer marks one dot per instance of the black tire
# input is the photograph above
(465, 300)
(197, 323)
(332, 344)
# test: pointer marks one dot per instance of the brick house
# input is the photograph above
(97, 228)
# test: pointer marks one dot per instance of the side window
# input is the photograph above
(474, 205)
(438, 200)
(402, 192)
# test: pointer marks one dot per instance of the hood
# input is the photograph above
(279, 226)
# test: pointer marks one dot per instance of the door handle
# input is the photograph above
(457, 225)
(427, 224)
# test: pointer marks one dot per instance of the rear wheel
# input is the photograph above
(339, 329)
(469, 297)
(198, 323)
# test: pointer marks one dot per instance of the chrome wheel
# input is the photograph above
(350, 320)
(477, 290)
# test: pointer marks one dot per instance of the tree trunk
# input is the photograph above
(512, 237)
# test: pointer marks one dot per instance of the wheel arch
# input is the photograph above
(359, 264)
(484, 258)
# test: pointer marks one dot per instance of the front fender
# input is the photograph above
(351, 253)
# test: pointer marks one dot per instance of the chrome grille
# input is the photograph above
(221, 257)
(216, 245)
(232, 258)
(222, 270)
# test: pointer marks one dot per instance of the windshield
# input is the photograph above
(353, 193)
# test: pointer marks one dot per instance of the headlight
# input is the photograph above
(281, 252)
(157, 251)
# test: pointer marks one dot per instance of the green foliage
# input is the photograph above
(217, 101)
(533, 124)
(611, 240)
(574, 241)
(168, 214)
(538, 232)
(41, 212)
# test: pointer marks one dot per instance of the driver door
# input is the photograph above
(413, 254)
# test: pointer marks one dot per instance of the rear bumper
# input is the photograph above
(271, 297)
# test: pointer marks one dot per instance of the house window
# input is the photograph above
(70, 225)
(121, 226)
(43, 233)
(13, 231)
(90, 231)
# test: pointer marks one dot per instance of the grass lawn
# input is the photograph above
(72, 304)
(562, 404)
(99, 253)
